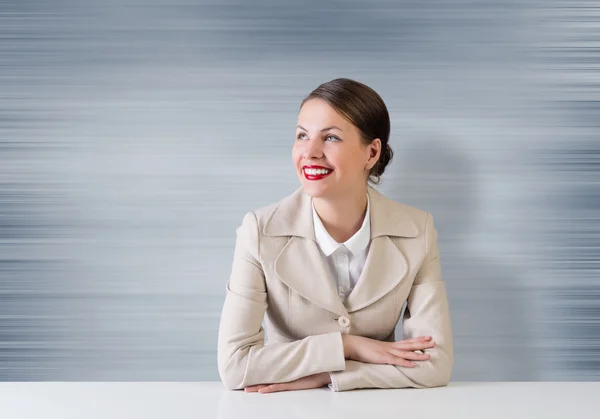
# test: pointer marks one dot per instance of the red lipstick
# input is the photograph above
(314, 172)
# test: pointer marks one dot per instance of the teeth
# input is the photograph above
(316, 171)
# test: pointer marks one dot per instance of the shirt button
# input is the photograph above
(344, 321)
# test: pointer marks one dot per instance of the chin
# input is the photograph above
(312, 193)
(317, 189)
(314, 190)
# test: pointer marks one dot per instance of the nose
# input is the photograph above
(313, 149)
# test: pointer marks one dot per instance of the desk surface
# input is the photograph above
(65, 400)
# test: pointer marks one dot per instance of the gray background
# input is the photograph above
(135, 135)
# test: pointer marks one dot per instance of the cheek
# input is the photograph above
(346, 161)
(296, 153)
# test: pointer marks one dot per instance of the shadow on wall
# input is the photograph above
(488, 301)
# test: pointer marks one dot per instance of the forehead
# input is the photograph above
(317, 114)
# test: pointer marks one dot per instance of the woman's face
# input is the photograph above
(329, 157)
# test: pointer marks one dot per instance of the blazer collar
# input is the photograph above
(293, 217)
(301, 266)
(355, 244)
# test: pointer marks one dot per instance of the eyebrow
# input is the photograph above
(324, 129)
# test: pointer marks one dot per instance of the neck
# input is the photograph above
(342, 216)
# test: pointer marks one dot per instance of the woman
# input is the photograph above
(331, 266)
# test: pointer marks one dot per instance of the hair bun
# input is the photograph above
(384, 159)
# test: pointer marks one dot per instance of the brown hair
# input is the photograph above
(365, 109)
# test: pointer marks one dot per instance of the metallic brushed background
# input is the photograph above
(134, 136)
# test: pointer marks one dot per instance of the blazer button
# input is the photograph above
(344, 321)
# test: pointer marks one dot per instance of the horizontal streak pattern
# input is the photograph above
(135, 135)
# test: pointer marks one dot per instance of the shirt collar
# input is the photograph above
(356, 244)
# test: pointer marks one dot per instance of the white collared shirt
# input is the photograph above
(344, 260)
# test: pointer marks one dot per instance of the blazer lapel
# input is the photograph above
(385, 266)
(301, 266)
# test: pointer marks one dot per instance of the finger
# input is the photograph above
(273, 388)
(404, 362)
(418, 339)
(416, 344)
(412, 346)
(396, 360)
(254, 389)
(409, 355)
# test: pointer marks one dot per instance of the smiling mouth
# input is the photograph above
(316, 173)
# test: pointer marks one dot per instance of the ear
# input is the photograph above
(374, 152)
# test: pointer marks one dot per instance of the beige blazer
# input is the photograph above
(279, 276)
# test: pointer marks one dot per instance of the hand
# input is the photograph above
(304, 383)
(374, 351)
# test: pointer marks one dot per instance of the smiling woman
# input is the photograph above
(329, 267)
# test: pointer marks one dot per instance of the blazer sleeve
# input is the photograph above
(243, 358)
(427, 314)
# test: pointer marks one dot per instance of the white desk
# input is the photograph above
(67, 400)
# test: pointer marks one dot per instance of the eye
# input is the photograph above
(332, 136)
(299, 136)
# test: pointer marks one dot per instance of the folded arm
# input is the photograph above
(427, 314)
(243, 358)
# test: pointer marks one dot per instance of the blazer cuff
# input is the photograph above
(333, 385)
(337, 351)
(345, 380)
(363, 375)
